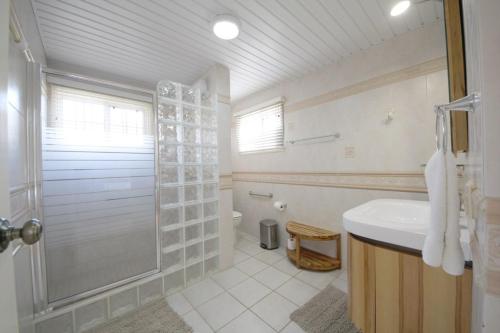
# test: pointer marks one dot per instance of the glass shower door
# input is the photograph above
(98, 184)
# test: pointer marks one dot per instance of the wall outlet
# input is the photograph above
(349, 152)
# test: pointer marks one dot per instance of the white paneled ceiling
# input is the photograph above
(165, 39)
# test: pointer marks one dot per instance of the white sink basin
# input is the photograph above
(393, 221)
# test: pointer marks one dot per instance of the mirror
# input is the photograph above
(456, 72)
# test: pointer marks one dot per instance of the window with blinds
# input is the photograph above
(98, 185)
(261, 130)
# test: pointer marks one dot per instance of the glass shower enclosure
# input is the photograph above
(129, 190)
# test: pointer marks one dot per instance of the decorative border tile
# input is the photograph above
(394, 181)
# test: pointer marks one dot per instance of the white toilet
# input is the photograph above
(236, 222)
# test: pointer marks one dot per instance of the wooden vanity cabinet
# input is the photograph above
(392, 291)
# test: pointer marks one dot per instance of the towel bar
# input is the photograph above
(332, 136)
(263, 195)
(467, 104)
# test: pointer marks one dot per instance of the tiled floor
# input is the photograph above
(257, 294)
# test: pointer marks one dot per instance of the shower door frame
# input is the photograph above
(40, 294)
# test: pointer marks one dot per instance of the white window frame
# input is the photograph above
(260, 109)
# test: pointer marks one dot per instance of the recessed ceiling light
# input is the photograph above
(226, 27)
(400, 8)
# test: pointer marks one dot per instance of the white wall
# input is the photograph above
(482, 36)
(400, 146)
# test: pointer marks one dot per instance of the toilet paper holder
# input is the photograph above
(280, 205)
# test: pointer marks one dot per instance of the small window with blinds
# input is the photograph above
(261, 130)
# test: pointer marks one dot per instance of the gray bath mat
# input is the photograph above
(154, 317)
(325, 313)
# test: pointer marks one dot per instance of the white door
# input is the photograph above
(8, 307)
(16, 177)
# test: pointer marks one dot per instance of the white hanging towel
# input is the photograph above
(435, 178)
(442, 242)
(453, 255)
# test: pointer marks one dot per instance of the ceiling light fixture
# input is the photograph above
(401, 6)
(226, 27)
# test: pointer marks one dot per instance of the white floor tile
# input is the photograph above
(318, 279)
(292, 328)
(247, 323)
(239, 256)
(250, 248)
(282, 250)
(251, 266)
(271, 277)
(179, 303)
(249, 292)
(220, 310)
(247, 236)
(226, 312)
(202, 292)
(340, 284)
(229, 278)
(297, 291)
(286, 266)
(241, 242)
(196, 322)
(275, 310)
(269, 256)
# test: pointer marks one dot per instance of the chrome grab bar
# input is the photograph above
(262, 195)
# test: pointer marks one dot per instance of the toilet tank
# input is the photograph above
(237, 217)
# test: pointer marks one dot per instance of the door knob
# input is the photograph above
(30, 233)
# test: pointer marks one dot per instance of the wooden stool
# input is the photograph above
(309, 259)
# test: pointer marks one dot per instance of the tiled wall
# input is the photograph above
(375, 144)
(374, 157)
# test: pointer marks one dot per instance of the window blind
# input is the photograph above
(98, 169)
(260, 130)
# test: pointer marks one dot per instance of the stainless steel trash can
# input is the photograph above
(269, 234)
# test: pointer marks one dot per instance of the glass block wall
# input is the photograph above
(188, 171)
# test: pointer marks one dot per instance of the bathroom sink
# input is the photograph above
(394, 221)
